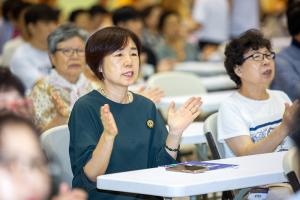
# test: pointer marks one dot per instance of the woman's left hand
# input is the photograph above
(180, 119)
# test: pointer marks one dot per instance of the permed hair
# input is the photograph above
(236, 48)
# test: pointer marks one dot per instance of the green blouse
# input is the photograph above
(138, 145)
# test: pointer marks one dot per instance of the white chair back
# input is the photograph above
(211, 125)
(55, 142)
(177, 83)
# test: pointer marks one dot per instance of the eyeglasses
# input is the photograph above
(261, 56)
(69, 51)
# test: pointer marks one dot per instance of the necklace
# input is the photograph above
(129, 96)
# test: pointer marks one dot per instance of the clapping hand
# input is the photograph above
(60, 105)
(66, 193)
(154, 94)
(180, 119)
(108, 121)
(290, 114)
(20, 106)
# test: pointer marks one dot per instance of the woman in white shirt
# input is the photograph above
(254, 119)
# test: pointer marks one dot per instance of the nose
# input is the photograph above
(74, 54)
(128, 60)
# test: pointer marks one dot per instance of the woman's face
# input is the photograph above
(83, 21)
(121, 68)
(258, 69)
(23, 164)
(40, 31)
(69, 59)
(171, 26)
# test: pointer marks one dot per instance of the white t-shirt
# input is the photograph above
(245, 15)
(30, 64)
(239, 115)
(213, 15)
(9, 49)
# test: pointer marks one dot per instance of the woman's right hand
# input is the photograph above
(67, 193)
(154, 94)
(290, 115)
(108, 121)
(60, 105)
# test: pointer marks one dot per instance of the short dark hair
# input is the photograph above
(147, 10)
(293, 16)
(96, 9)
(8, 7)
(19, 8)
(125, 14)
(9, 82)
(41, 12)
(75, 13)
(236, 48)
(163, 18)
(104, 42)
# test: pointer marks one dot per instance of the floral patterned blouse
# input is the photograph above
(54, 85)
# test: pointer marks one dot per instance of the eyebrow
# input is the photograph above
(263, 52)
(131, 48)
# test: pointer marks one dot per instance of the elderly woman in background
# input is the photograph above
(54, 96)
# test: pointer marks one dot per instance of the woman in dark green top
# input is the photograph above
(113, 130)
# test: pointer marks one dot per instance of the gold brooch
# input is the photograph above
(150, 123)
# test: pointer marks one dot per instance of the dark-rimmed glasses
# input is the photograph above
(70, 51)
(261, 56)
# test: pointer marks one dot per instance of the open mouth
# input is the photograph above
(267, 72)
(128, 74)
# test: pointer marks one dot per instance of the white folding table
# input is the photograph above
(251, 171)
(201, 68)
(211, 101)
